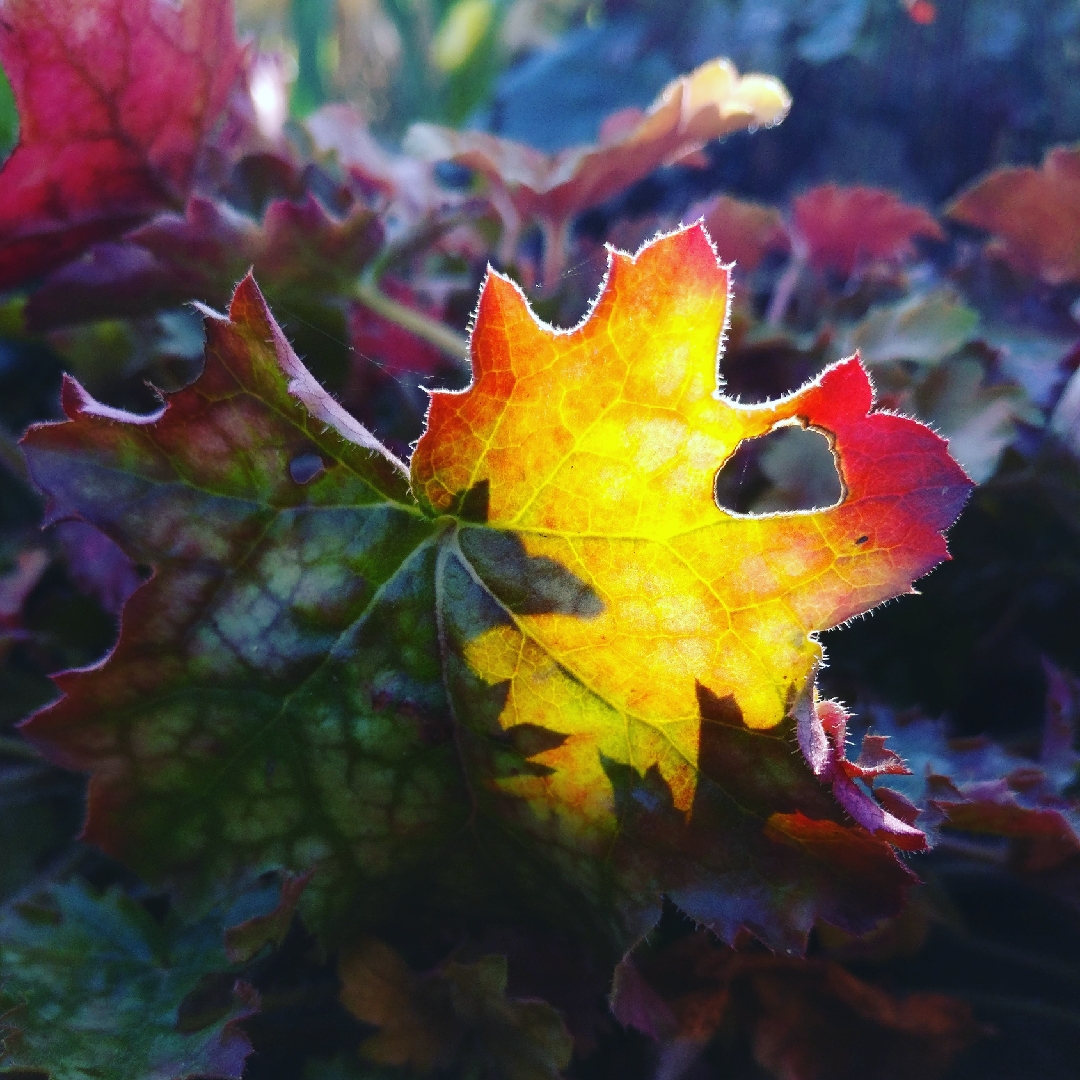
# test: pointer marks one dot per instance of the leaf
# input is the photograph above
(551, 189)
(979, 417)
(18, 582)
(459, 1011)
(93, 986)
(1033, 213)
(116, 99)
(97, 566)
(978, 787)
(561, 675)
(844, 229)
(924, 328)
(744, 232)
(247, 939)
(804, 1019)
(299, 248)
(402, 187)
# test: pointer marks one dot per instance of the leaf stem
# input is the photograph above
(435, 333)
(446, 340)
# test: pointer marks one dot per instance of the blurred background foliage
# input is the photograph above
(879, 98)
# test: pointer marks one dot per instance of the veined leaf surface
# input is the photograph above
(554, 665)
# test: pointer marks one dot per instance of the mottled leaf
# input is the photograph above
(116, 100)
(1033, 213)
(558, 670)
(844, 229)
(458, 1014)
(93, 986)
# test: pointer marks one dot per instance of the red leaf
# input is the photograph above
(116, 100)
(804, 1019)
(845, 228)
(298, 247)
(1035, 213)
(744, 232)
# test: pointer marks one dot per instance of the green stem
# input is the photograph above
(433, 332)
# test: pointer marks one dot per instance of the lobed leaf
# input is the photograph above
(554, 669)
(1034, 213)
(459, 1013)
(803, 1019)
(299, 249)
(93, 986)
(531, 186)
(116, 100)
(845, 228)
(978, 787)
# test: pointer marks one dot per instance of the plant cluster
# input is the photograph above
(441, 683)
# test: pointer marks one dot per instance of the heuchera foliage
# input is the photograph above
(116, 100)
(535, 675)
(550, 660)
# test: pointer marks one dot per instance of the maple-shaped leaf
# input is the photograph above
(93, 986)
(299, 249)
(116, 100)
(844, 229)
(459, 1013)
(803, 1019)
(1033, 213)
(552, 665)
(551, 189)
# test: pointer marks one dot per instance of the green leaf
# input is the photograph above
(92, 986)
(922, 328)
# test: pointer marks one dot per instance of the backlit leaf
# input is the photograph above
(551, 666)
(116, 100)
(550, 190)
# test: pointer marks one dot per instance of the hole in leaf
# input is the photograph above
(305, 467)
(790, 468)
